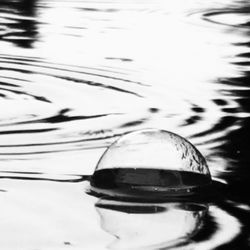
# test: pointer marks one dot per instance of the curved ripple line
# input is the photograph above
(227, 229)
(12, 64)
(46, 65)
(242, 23)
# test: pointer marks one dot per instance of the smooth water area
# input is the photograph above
(75, 75)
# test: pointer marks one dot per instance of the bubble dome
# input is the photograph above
(150, 163)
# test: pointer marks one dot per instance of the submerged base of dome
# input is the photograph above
(146, 183)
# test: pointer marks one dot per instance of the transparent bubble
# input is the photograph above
(150, 164)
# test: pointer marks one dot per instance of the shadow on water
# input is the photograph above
(19, 24)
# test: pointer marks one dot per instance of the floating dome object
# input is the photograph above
(150, 164)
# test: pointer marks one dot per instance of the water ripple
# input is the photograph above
(238, 18)
(43, 111)
(60, 107)
(111, 67)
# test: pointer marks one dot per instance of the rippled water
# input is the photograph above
(75, 75)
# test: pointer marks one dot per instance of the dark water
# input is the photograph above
(75, 75)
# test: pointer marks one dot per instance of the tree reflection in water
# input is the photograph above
(19, 25)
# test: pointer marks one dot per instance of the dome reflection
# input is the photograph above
(150, 226)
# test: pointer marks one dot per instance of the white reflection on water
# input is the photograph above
(116, 61)
(51, 216)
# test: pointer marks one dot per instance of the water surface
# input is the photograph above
(75, 75)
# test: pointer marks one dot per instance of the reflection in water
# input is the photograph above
(18, 23)
(236, 146)
(74, 75)
(150, 226)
